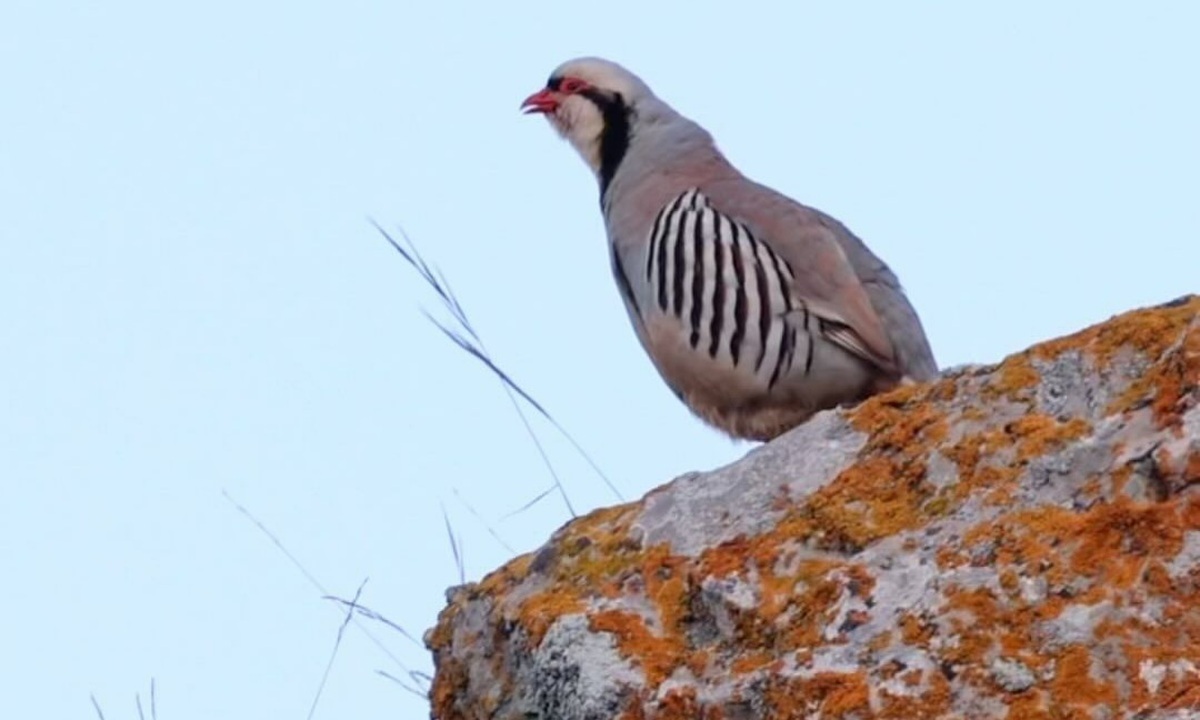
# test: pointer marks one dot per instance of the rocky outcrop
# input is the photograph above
(1019, 540)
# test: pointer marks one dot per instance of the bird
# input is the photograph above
(757, 311)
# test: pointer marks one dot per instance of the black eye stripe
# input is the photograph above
(603, 101)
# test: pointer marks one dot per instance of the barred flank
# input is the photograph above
(729, 289)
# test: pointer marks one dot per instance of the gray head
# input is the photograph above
(596, 105)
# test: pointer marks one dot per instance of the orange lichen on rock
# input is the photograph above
(1168, 383)
(1075, 682)
(807, 589)
(825, 694)
(731, 557)
(666, 586)
(1169, 333)
(656, 654)
(1014, 379)
(859, 505)
(450, 682)
(898, 420)
(934, 701)
(1038, 434)
(1020, 540)
(1115, 539)
(540, 611)
(1149, 332)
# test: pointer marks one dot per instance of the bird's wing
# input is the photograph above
(823, 281)
(900, 320)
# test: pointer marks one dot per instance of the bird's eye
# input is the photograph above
(571, 85)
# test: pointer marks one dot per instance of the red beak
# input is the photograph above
(543, 101)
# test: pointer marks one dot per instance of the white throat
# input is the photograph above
(579, 121)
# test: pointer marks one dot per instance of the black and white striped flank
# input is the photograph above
(729, 289)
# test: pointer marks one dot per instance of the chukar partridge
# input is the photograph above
(756, 310)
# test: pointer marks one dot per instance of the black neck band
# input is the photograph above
(614, 140)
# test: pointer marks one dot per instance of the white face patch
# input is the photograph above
(579, 121)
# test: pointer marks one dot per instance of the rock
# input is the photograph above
(1019, 540)
(1012, 675)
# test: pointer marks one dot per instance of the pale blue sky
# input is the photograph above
(193, 299)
